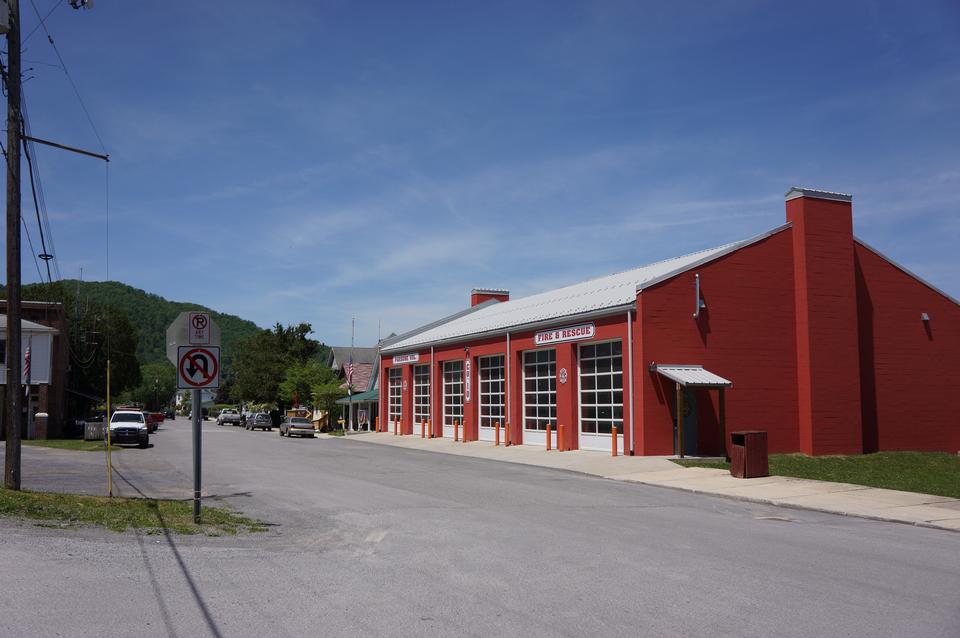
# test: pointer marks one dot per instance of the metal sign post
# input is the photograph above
(193, 346)
(197, 403)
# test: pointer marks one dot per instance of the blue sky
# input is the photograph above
(312, 161)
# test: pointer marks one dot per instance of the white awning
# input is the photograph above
(693, 376)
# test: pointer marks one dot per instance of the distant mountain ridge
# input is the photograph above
(151, 314)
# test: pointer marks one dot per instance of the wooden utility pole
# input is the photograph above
(14, 390)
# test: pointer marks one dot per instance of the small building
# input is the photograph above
(364, 399)
(803, 331)
(47, 373)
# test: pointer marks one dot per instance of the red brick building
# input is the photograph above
(803, 331)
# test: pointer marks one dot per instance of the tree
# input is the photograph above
(325, 395)
(263, 361)
(158, 384)
(300, 380)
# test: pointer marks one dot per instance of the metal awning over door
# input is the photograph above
(692, 376)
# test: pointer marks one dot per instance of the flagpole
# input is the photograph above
(353, 325)
(28, 374)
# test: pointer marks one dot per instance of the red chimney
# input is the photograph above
(479, 295)
(828, 360)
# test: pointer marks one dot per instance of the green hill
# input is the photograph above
(151, 315)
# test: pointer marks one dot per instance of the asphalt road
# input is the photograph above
(369, 540)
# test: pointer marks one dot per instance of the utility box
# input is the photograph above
(748, 454)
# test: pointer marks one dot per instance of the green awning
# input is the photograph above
(370, 396)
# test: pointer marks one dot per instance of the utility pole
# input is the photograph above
(11, 470)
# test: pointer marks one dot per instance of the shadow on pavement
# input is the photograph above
(201, 603)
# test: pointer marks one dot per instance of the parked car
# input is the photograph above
(169, 414)
(296, 425)
(153, 420)
(228, 415)
(129, 426)
(261, 420)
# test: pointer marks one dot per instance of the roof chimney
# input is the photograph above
(828, 355)
(479, 295)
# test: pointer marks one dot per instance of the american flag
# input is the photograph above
(350, 371)
(26, 363)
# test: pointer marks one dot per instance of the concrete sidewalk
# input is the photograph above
(836, 498)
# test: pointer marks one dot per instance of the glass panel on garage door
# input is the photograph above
(452, 396)
(491, 396)
(601, 394)
(539, 395)
(421, 396)
(395, 408)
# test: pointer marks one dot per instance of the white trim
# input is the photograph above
(600, 440)
(488, 432)
(713, 256)
(629, 378)
(536, 436)
(449, 393)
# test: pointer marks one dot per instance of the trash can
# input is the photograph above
(748, 454)
(94, 430)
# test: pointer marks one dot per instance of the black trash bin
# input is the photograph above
(748, 454)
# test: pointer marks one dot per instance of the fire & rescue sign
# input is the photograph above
(198, 367)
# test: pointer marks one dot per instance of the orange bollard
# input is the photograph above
(613, 451)
(506, 435)
(560, 429)
(549, 430)
(496, 436)
(456, 430)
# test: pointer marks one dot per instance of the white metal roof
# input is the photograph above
(593, 296)
(28, 326)
(696, 376)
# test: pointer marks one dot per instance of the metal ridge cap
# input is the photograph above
(797, 191)
(729, 248)
(600, 312)
(904, 269)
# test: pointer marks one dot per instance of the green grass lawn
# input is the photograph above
(925, 472)
(152, 516)
(72, 444)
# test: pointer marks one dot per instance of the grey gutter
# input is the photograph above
(610, 310)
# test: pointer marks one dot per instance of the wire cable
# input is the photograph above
(42, 21)
(63, 65)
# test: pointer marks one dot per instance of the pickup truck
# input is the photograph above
(228, 415)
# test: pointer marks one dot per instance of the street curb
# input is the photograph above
(733, 497)
(793, 506)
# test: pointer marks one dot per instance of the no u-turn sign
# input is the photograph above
(198, 367)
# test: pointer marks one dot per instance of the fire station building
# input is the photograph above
(803, 331)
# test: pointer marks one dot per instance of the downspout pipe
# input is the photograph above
(630, 377)
(433, 398)
(509, 387)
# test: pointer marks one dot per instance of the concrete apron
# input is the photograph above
(834, 498)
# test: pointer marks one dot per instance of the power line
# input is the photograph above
(39, 200)
(55, 6)
(66, 72)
